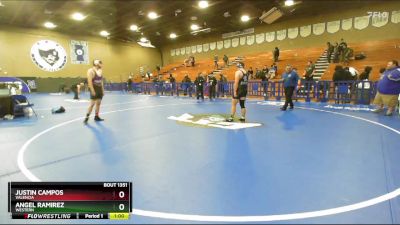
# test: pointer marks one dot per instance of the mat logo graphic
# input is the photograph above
(211, 120)
(48, 55)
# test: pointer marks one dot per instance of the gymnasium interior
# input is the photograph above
(205, 112)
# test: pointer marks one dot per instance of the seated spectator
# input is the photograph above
(186, 62)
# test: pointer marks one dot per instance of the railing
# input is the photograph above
(356, 92)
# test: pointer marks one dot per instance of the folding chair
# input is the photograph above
(20, 102)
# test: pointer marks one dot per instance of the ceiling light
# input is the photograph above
(152, 15)
(78, 16)
(172, 36)
(245, 18)
(49, 25)
(203, 4)
(289, 2)
(143, 39)
(1, 4)
(104, 33)
(194, 27)
(134, 27)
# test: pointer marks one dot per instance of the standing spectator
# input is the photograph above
(212, 82)
(222, 83)
(258, 73)
(388, 88)
(216, 62)
(192, 60)
(199, 82)
(290, 79)
(265, 70)
(309, 75)
(250, 72)
(186, 83)
(129, 83)
(336, 53)
(276, 54)
(76, 88)
(226, 60)
(329, 51)
(342, 45)
(363, 86)
(158, 68)
(173, 83)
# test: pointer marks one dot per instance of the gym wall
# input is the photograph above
(119, 58)
(389, 31)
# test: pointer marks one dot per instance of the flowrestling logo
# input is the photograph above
(211, 120)
(48, 55)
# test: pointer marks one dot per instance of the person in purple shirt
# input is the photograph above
(388, 88)
(290, 79)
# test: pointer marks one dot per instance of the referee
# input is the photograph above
(290, 79)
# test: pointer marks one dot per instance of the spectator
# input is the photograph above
(290, 79)
(187, 62)
(276, 54)
(363, 86)
(273, 71)
(329, 51)
(192, 61)
(158, 68)
(199, 82)
(341, 74)
(309, 74)
(265, 70)
(347, 55)
(226, 60)
(336, 53)
(264, 76)
(250, 72)
(129, 83)
(222, 83)
(388, 88)
(173, 83)
(216, 62)
(76, 88)
(342, 46)
(258, 73)
(212, 82)
(186, 83)
(365, 74)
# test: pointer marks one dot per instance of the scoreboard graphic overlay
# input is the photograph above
(70, 200)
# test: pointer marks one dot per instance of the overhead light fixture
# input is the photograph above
(172, 36)
(245, 18)
(78, 16)
(1, 4)
(289, 2)
(203, 4)
(104, 33)
(134, 27)
(50, 25)
(143, 39)
(152, 15)
(194, 27)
